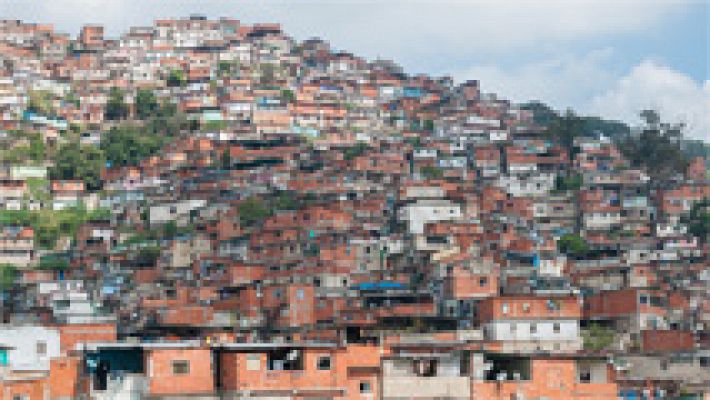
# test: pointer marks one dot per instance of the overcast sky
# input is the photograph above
(605, 57)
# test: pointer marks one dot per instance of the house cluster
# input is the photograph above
(336, 229)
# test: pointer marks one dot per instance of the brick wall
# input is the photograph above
(164, 380)
(666, 340)
(70, 335)
(64, 377)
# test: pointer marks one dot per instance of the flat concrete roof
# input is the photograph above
(184, 344)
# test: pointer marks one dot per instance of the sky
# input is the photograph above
(610, 58)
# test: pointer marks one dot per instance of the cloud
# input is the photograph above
(424, 36)
(650, 84)
(522, 50)
(561, 81)
(592, 85)
(376, 27)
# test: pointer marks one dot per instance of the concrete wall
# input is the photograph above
(426, 387)
(419, 214)
(503, 330)
(685, 367)
(25, 339)
(399, 380)
(163, 213)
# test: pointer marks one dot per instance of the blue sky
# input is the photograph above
(605, 57)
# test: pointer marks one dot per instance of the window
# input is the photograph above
(533, 328)
(62, 304)
(681, 359)
(585, 376)
(505, 368)
(253, 362)
(504, 307)
(526, 307)
(556, 327)
(656, 301)
(41, 348)
(324, 363)
(482, 282)
(181, 367)
(425, 367)
(365, 387)
(284, 360)
(20, 397)
(513, 328)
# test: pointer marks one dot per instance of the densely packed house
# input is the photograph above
(321, 226)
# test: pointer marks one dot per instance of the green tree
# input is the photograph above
(572, 245)
(564, 129)
(597, 338)
(571, 182)
(268, 74)
(288, 96)
(40, 102)
(146, 104)
(428, 125)
(54, 262)
(429, 172)
(698, 219)
(415, 141)
(176, 78)
(252, 211)
(285, 200)
(226, 159)
(37, 149)
(116, 108)
(128, 145)
(147, 256)
(7, 276)
(50, 225)
(30, 147)
(213, 126)
(657, 149)
(76, 162)
(166, 110)
(170, 230)
(355, 151)
(224, 68)
(227, 68)
(591, 126)
(72, 99)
